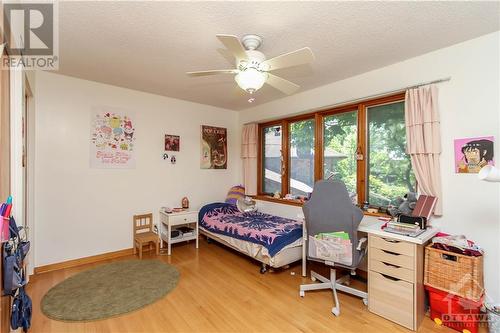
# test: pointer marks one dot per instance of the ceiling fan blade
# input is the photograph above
(281, 84)
(294, 58)
(233, 44)
(213, 72)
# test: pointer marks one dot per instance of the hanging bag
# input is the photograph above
(12, 274)
(12, 256)
(21, 311)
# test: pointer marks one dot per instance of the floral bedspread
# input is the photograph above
(273, 232)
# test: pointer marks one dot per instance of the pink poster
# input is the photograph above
(471, 154)
(112, 139)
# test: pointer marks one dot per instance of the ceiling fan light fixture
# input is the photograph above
(253, 69)
(251, 79)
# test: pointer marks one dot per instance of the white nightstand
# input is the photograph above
(167, 221)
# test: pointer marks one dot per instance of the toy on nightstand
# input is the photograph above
(185, 203)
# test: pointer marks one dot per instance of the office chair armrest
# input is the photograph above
(361, 244)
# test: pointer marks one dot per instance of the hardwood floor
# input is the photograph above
(222, 291)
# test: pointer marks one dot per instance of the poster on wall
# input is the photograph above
(172, 142)
(112, 139)
(471, 154)
(213, 147)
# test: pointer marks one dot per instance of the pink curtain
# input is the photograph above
(423, 140)
(249, 150)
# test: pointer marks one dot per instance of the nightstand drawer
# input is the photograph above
(391, 298)
(392, 270)
(392, 258)
(392, 245)
(183, 218)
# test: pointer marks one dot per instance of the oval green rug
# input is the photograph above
(109, 290)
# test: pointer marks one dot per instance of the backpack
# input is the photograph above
(21, 311)
(12, 271)
(13, 255)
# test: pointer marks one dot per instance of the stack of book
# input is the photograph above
(182, 232)
(186, 231)
(407, 229)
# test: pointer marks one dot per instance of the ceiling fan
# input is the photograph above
(253, 70)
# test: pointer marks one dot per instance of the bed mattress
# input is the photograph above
(273, 240)
(287, 255)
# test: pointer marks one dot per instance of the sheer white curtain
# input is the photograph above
(249, 142)
(423, 139)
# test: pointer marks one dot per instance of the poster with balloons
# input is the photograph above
(112, 139)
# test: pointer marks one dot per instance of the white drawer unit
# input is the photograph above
(168, 221)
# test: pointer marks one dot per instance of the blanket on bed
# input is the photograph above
(273, 232)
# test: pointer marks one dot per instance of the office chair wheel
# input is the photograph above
(302, 293)
(365, 301)
(313, 279)
(336, 311)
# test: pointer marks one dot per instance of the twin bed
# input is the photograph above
(272, 240)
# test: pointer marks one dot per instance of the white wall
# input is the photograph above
(16, 143)
(82, 211)
(469, 106)
(274, 208)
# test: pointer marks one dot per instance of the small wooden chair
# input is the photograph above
(143, 233)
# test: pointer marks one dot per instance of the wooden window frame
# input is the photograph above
(319, 116)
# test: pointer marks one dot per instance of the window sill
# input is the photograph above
(280, 200)
(300, 204)
(376, 214)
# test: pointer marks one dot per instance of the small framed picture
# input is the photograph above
(172, 142)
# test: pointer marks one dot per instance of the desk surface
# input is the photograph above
(372, 225)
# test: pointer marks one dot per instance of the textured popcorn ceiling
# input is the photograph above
(149, 46)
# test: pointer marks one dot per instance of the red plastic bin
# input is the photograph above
(455, 312)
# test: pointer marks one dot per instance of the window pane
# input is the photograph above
(340, 142)
(301, 157)
(389, 167)
(272, 159)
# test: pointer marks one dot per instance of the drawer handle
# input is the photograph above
(390, 277)
(391, 253)
(391, 265)
(449, 257)
(390, 240)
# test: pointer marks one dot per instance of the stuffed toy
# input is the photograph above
(404, 205)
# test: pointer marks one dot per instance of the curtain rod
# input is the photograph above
(390, 92)
(446, 79)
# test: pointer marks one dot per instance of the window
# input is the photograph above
(389, 167)
(272, 159)
(340, 143)
(362, 144)
(301, 155)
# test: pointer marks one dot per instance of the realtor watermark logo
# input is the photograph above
(465, 313)
(31, 35)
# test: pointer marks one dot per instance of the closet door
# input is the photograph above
(4, 132)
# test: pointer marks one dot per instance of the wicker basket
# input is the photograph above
(454, 273)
